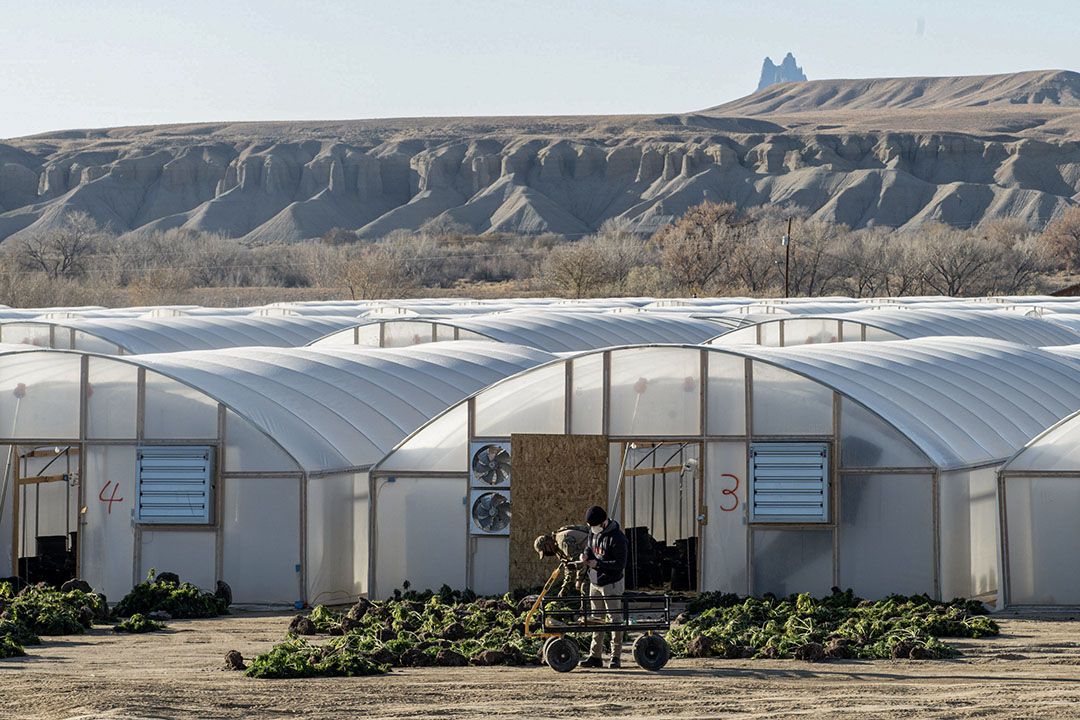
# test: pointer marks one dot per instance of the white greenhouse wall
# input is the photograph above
(260, 539)
(336, 538)
(420, 535)
(886, 534)
(1043, 538)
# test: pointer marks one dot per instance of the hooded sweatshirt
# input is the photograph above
(608, 549)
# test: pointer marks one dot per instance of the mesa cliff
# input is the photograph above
(890, 152)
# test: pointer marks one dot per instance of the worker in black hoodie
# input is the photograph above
(605, 556)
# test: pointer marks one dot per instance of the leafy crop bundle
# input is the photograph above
(841, 625)
(180, 600)
(416, 629)
(138, 623)
(295, 658)
(43, 611)
(10, 648)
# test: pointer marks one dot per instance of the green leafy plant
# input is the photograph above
(845, 625)
(10, 648)
(182, 600)
(139, 623)
(426, 628)
(18, 632)
(45, 611)
(296, 658)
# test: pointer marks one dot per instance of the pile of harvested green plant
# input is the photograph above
(448, 628)
(138, 623)
(452, 628)
(167, 594)
(42, 610)
(837, 626)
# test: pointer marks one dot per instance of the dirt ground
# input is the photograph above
(1031, 671)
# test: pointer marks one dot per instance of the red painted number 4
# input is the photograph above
(112, 498)
(730, 492)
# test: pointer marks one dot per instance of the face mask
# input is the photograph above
(596, 528)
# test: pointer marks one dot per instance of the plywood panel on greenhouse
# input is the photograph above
(554, 480)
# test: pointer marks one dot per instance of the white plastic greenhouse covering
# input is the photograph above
(801, 308)
(292, 430)
(1068, 319)
(342, 407)
(137, 336)
(552, 331)
(918, 426)
(1039, 492)
(886, 324)
(963, 401)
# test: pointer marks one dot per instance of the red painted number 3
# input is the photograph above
(730, 492)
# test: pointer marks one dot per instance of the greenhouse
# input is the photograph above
(744, 469)
(880, 325)
(552, 331)
(1039, 491)
(137, 336)
(247, 465)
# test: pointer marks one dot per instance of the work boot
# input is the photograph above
(591, 662)
(614, 664)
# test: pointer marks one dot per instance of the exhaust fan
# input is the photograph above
(491, 465)
(490, 513)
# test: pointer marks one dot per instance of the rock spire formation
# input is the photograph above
(786, 71)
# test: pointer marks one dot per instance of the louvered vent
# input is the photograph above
(789, 482)
(175, 485)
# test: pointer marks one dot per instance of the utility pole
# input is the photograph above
(786, 242)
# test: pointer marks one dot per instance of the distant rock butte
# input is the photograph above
(888, 152)
(786, 71)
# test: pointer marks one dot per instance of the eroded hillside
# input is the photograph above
(892, 152)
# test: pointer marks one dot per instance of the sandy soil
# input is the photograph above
(1031, 671)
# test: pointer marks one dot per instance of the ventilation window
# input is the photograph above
(175, 485)
(789, 482)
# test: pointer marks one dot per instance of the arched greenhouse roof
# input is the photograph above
(911, 324)
(343, 408)
(574, 331)
(962, 401)
(137, 336)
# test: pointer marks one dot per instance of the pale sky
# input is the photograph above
(100, 63)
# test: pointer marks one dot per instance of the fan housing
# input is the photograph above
(490, 465)
(489, 512)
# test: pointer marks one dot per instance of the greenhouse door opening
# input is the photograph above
(660, 508)
(45, 512)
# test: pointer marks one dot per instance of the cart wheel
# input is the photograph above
(562, 654)
(651, 652)
(547, 644)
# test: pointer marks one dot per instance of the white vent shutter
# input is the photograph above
(175, 484)
(789, 482)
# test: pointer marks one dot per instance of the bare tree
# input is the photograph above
(575, 270)
(620, 250)
(815, 249)
(697, 246)
(955, 263)
(62, 251)
(375, 272)
(1062, 238)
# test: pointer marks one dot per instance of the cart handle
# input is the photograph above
(540, 600)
